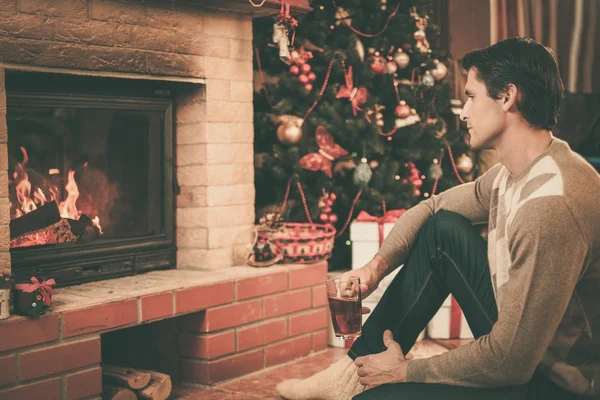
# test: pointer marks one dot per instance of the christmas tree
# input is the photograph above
(353, 113)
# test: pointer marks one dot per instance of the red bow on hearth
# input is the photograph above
(356, 96)
(388, 216)
(45, 288)
(328, 152)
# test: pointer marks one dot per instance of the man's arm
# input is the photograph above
(546, 258)
(472, 200)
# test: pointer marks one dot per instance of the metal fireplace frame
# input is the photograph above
(78, 263)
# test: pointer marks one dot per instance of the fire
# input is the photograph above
(28, 202)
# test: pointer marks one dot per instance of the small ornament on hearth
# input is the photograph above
(464, 164)
(33, 299)
(289, 131)
(439, 71)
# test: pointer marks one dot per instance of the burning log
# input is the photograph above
(40, 218)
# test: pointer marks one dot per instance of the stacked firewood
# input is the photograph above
(120, 383)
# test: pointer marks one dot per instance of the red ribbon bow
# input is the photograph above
(45, 288)
(356, 96)
(388, 216)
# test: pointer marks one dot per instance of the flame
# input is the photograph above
(28, 202)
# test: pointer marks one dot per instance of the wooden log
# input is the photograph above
(127, 377)
(43, 217)
(110, 392)
(159, 388)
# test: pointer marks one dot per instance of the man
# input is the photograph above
(530, 294)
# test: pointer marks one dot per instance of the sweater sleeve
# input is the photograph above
(471, 200)
(547, 256)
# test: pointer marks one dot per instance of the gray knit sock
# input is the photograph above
(338, 382)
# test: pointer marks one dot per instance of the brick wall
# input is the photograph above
(214, 123)
(223, 330)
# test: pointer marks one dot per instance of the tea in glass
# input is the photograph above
(345, 305)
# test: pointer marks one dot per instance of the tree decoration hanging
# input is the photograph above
(289, 131)
(362, 173)
(284, 24)
(439, 71)
(356, 96)
(422, 44)
(328, 152)
(401, 59)
(325, 205)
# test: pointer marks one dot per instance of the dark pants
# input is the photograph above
(449, 256)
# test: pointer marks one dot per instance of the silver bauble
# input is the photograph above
(427, 79)
(362, 174)
(401, 58)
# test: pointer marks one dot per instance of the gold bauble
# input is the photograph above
(290, 130)
(440, 71)
(464, 164)
(401, 58)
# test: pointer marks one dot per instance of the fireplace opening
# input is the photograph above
(90, 180)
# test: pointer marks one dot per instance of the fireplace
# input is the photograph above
(90, 177)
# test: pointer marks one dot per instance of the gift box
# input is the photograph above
(33, 299)
(449, 322)
(367, 233)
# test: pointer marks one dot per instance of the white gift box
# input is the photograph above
(439, 326)
(365, 241)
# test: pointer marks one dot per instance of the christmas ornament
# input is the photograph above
(440, 71)
(374, 164)
(294, 70)
(356, 96)
(422, 44)
(464, 164)
(362, 173)
(435, 170)
(377, 63)
(411, 119)
(325, 204)
(402, 109)
(328, 152)
(401, 59)
(305, 68)
(280, 37)
(290, 129)
(303, 79)
(376, 113)
(427, 79)
(360, 50)
(383, 5)
(391, 67)
(342, 15)
(312, 77)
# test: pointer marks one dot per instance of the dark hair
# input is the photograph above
(528, 65)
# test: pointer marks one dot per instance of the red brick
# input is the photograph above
(84, 384)
(308, 322)
(206, 346)
(200, 298)
(215, 319)
(288, 350)
(209, 372)
(157, 306)
(287, 303)
(64, 357)
(9, 371)
(18, 332)
(99, 318)
(47, 390)
(319, 297)
(258, 335)
(319, 340)
(310, 275)
(261, 285)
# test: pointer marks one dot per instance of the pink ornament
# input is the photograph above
(324, 217)
(333, 218)
(305, 68)
(402, 110)
(332, 196)
(308, 87)
(294, 70)
(417, 192)
(378, 64)
(312, 77)
(303, 79)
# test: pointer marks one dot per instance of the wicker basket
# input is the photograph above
(302, 242)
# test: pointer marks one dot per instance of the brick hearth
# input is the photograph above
(231, 319)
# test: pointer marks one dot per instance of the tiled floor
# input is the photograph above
(261, 385)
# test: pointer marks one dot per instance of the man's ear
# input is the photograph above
(512, 96)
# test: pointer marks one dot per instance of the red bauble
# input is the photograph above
(378, 64)
(327, 210)
(294, 70)
(308, 87)
(305, 68)
(333, 218)
(402, 110)
(312, 76)
(332, 196)
(303, 79)
(324, 217)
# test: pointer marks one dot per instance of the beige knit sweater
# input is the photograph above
(543, 246)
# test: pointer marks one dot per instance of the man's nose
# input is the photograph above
(463, 115)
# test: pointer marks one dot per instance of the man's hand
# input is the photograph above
(370, 275)
(386, 367)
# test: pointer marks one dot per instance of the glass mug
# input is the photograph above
(345, 305)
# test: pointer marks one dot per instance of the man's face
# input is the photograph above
(484, 115)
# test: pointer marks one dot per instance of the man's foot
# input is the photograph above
(338, 382)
